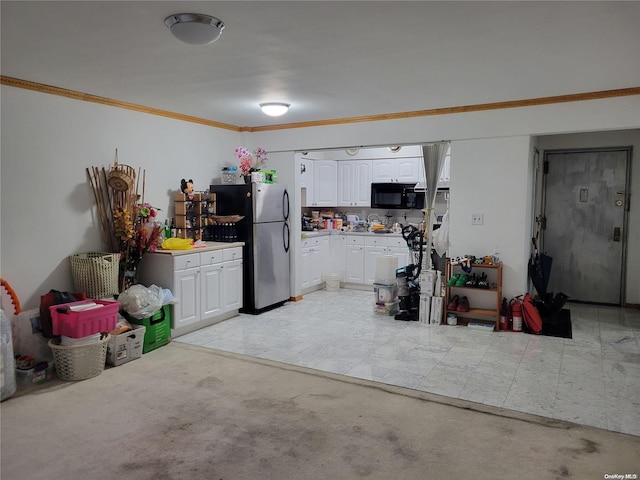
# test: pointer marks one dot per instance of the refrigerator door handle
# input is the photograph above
(286, 237)
(285, 205)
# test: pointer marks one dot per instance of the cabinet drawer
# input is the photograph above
(355, 240)
(375, 241)
(396, 242)
(310, 242)
(182, 262)
(230, 254)
(209, 258)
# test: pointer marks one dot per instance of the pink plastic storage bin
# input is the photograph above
(84, 322)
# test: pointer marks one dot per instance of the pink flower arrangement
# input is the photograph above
(251, 162)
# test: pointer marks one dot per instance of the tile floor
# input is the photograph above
(592, 379)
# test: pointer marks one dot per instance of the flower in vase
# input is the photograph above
(251, 162)
(136, 232)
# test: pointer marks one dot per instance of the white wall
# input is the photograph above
(491, 177)
(48, 209)
(47, 142)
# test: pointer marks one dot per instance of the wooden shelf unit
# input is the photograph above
(491, 313)
(192, 213)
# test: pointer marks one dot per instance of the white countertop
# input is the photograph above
(320, 233)
(209, 246)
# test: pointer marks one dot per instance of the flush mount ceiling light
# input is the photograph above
(194, 28)
(274, 109)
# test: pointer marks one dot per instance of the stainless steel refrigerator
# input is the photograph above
(265, 231)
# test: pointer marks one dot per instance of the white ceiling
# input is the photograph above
(329, 59)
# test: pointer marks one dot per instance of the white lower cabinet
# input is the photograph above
(205, 285)
(375, 246)
(355, 259)
(314, 252)
(398, 246)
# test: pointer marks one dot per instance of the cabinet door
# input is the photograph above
(383, 171)
(210, 286)
(401, 253)
(346, 183)
(371, 255)
(316, 266)
(323, 254)
(408, 170)
(445, 175)
(187, 286)
(325, 185)
(306, 181)
(355, 264)
(306, 264)
(231, 290)
(337, 255)
(362, 190)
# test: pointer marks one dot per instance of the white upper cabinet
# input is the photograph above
(445, 175)
(400, 170)
(325, 183)
(354, 183)
(306, 181)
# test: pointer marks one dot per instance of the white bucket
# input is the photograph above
(386, 266)
(332, 282)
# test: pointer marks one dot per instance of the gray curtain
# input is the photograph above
(433, 157)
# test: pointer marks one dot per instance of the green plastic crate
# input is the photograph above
(158, 328)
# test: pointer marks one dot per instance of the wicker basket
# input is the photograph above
(96, 273)
(121, 177)
(79, 362)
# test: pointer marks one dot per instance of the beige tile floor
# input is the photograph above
(591, 379)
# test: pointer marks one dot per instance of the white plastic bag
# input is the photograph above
(441, 236)
(28, 338)
(140, 301)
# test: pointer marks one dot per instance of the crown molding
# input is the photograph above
(530, 102)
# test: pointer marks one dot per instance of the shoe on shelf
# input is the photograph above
(463, 305)
(452, 281)
(472, 281)
(483, 282)
(462, 279)
(453, 304)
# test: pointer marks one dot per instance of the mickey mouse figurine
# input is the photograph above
(186, 186)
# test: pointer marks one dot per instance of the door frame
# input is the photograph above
(626, 206)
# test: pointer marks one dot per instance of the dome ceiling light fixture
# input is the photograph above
(194, 28)
(274, 109)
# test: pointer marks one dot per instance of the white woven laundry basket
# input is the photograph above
(79, 362)
(95, 273)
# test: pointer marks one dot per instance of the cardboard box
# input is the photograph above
(424, 308)
(436, 311)
(126, 347)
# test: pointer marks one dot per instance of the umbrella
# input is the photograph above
(540, 270)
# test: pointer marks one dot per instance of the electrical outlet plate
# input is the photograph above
(477, 218)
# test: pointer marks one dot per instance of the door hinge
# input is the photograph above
(545, 167)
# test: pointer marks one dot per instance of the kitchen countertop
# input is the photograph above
(209, 246)
(321, 233)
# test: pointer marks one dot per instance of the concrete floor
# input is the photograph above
(189, 412)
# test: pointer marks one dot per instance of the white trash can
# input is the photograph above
(332, 282)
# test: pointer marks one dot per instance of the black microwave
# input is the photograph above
(396, 195)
